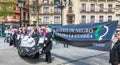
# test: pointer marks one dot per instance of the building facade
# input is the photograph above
(67, 12)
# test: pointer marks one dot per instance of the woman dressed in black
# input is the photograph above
(115, 51)
(47, 47)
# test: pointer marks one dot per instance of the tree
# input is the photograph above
(6, 9)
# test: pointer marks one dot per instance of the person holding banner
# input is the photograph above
(115, 51)
(47, 47)
(36, 37)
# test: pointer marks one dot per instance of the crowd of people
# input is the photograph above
(14, 36)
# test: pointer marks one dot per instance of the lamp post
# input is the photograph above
(61, 5)
(36, 6)
(20, 5)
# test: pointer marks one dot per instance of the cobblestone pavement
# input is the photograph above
(60, 55)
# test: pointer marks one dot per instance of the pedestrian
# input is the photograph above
(115, 51)
(6, 36)
(36, 35)
(47, 46)
(65, 45)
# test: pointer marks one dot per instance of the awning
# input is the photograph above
(16, 11)
(13, 20)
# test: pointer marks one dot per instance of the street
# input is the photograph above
(60, 55)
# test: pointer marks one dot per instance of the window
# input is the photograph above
(83, 7)
(101, 7)
(92, 7)
(56, 18)
(109, 18)
(70, 3)
(70, 10)
(34, 2)
(56, 10)
(46, 1)
(45, 9)
(100, 18)
(83, 18)
(92, 19)
(109, 7)
(33, 8)
(56, 2)
(46, 19)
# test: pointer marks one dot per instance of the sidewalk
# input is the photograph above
(60, 55)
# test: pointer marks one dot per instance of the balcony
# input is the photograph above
(16, 11)
(45, 2)
(50, 13)
(48, 4)
(70, 11)
(111, 0)
(12, 20)
(57, 13)
(102, 0)
(83, 0)
(45, 22)
(96, 11)
(118, 4)
(117, 14)
(46, 12)
(101, 10)
(100, 20)
(70, 20)
(83, 22)
(57, 22)
(92, 0)
(109, 10)
(92, 10)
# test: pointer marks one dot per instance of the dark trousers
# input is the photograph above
(114, 64)
(48, 57)
(66, 45)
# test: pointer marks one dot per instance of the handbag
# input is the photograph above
(11, 43)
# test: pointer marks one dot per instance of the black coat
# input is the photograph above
(48, 43)
(115, 54)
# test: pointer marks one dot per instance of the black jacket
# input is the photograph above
(48, 43)
(115, 53)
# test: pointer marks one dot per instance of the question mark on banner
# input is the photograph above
(104, 33)
(98, 29)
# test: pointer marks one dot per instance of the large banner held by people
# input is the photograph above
(102, 31)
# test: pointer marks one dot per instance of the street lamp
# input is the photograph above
(61, 5)
(20, 5)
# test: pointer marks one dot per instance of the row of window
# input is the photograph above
(47, 19)
(83, 18)
(47, 10)
(47, 1)
(57, 10)
(92, 19)
(101, 7)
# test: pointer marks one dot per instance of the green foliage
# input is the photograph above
(6, 9)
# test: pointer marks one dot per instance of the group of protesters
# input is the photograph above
(14, 36)
(15, 33)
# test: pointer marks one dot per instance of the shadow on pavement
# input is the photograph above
(68, 60)
(31, 60)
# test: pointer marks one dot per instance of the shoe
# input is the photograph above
(46, 61)
(49, 62)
